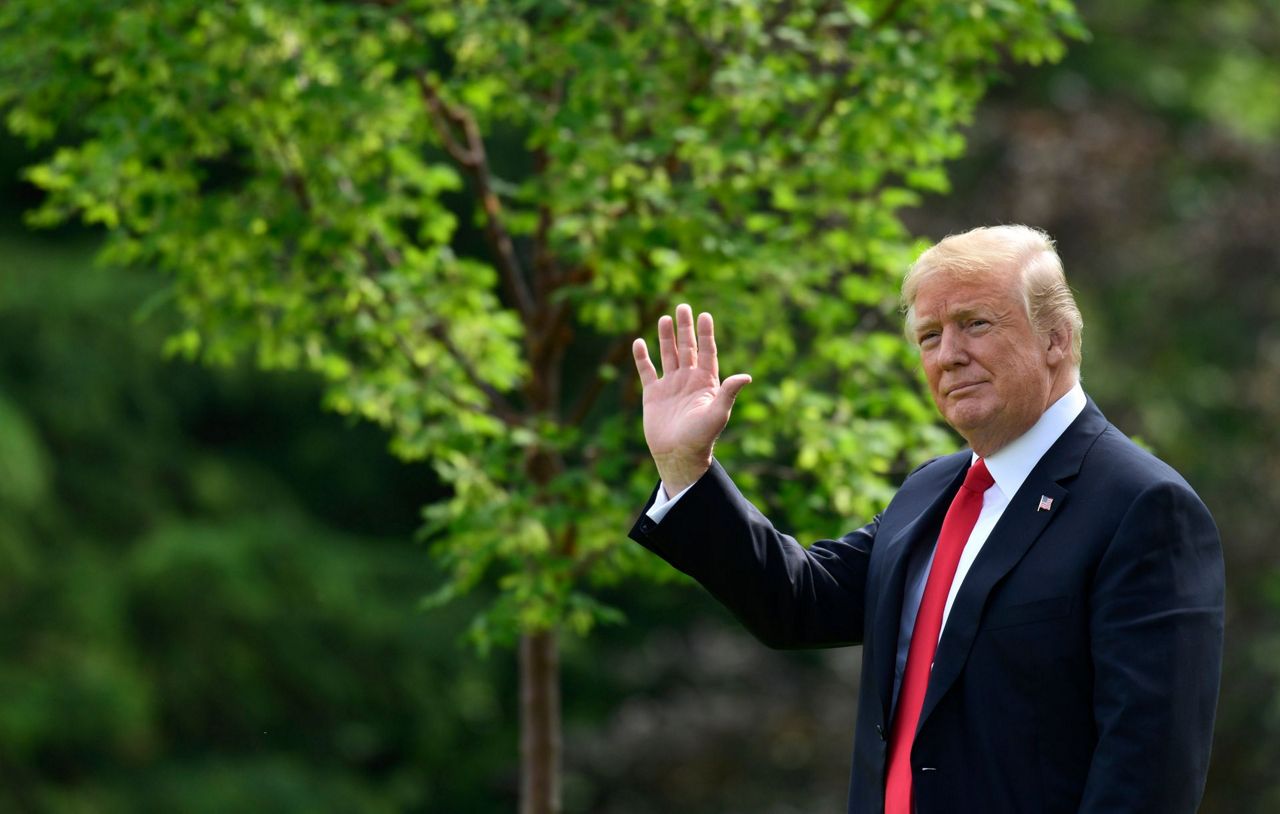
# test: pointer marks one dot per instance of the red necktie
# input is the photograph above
(956, 528)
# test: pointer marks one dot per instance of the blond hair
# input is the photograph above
(1048, 299)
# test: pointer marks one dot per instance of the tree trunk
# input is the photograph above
(539, 723)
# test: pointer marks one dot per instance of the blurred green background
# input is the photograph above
(209, 588)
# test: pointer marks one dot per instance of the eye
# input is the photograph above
(928, 338)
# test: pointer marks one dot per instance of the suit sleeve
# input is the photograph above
(1156, 617)
(787, 595)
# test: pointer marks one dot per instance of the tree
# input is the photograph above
(295, 167)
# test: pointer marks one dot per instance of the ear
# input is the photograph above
(1059, 345)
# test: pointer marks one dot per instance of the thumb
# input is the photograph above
(730, 387)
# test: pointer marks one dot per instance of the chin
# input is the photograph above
(966, 418)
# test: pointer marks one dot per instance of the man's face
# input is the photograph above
(990, 374)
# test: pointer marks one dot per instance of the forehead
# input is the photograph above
(947, 294)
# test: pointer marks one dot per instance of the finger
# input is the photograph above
(667, 345)
(707, 345)
(730, 387)
(644, 365)
(686, 344)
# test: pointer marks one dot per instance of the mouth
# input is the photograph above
(964, 389)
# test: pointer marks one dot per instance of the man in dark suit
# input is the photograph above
(1041, 614)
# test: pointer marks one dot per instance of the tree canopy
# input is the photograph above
(296, 168)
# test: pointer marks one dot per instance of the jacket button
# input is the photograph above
(880, 731)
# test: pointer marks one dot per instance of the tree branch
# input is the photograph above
(550, 331)
(448, 119)
(496, 407)
(500, 408)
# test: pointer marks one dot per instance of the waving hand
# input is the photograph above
(686, 408)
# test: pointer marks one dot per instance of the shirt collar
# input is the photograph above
(1011, 464)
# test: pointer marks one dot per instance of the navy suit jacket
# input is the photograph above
(1078, 670)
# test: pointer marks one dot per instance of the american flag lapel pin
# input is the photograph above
(1046, 503)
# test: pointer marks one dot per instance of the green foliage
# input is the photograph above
(1207, 62)
(293, 166)
(185, 626)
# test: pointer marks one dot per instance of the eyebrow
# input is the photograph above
(966, 311)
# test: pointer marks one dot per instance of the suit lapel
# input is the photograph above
(1019, 527)
(887, 604)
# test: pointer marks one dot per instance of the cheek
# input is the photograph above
(929, 362)
(931, 376)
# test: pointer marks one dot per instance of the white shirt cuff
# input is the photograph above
(662, 504)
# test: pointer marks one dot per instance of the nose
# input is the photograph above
(952, 350)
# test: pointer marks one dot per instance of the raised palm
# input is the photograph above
(688, 406)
